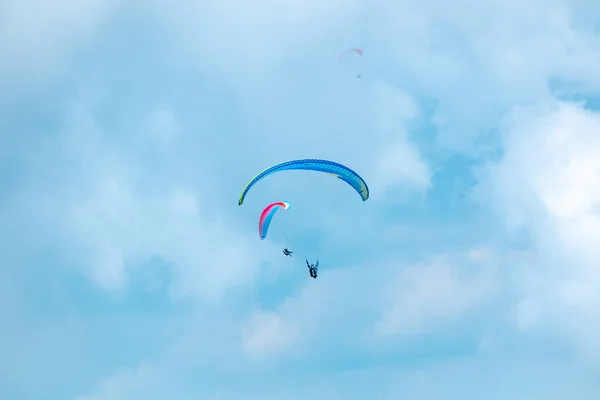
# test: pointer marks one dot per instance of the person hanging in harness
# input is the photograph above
(313, 269)
(287, 252)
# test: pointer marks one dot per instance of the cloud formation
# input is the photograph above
(128, 271)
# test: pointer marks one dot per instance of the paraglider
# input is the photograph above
(330, 167)
(335, 169)
(313, 269)
(267, 215)
(353, 50)
(265, 221)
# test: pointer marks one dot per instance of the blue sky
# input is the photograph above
(129, 129)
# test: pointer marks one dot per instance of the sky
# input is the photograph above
(129, 129)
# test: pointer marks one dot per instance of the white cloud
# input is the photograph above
(108, 214)
(547, 184)
(394, 301)
(269, 333)
(472, 60)
(398, 163)
(423, 297)
(478, 60)
(286, 330)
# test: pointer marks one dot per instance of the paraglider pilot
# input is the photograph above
(287, 252)
(313, 269)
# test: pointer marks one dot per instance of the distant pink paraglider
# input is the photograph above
(356, 50)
